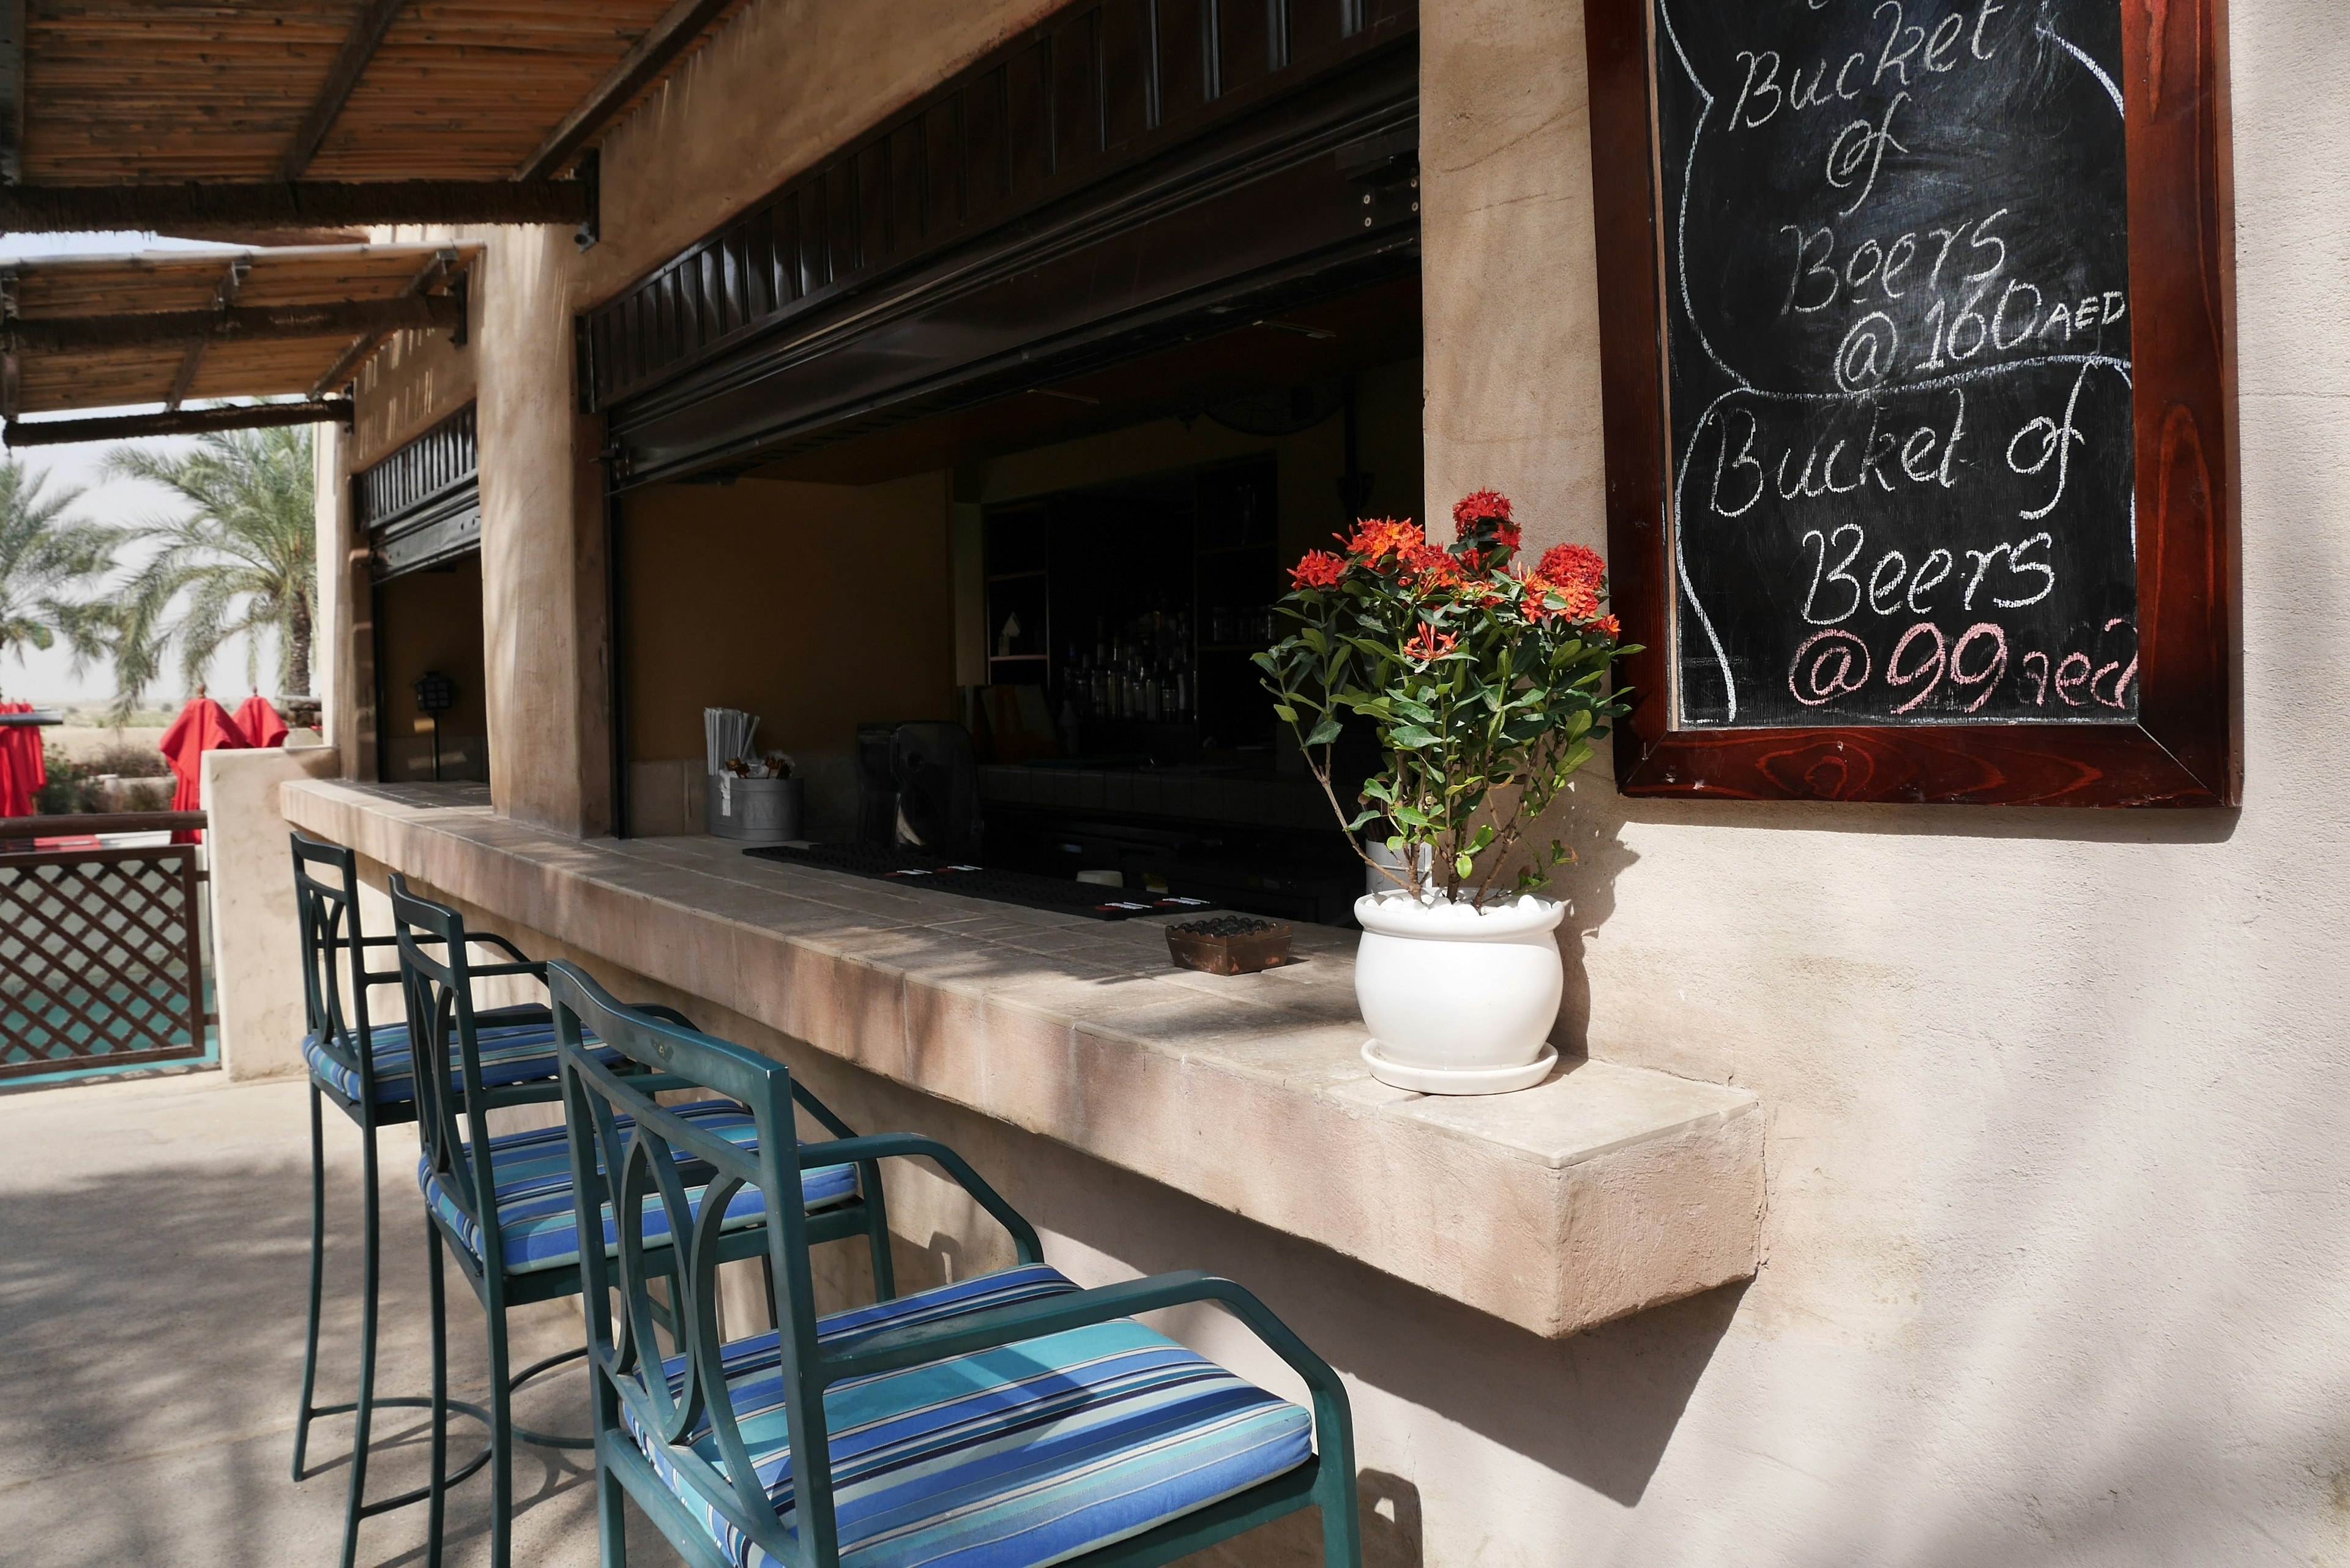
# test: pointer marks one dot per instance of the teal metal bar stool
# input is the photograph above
(1003, 1421)
(503, 1207)
(363, 1069)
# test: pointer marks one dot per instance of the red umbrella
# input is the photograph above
(21, 770)
(204, 725)
(261, 726)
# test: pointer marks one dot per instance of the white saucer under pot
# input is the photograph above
(1460, 1001)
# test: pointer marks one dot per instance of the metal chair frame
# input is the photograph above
(627, 1364)
(336, 979)
(438, 992)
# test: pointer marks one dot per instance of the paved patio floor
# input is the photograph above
(152, 1258)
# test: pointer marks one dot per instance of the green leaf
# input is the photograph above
(1463, 864)
(1412, 737)
(1284, 712)
(1324, 733)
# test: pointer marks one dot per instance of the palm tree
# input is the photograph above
(44, 552)
(244, 560)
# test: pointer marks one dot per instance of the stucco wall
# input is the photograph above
(2056, 1238)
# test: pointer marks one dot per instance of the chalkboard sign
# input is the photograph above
(1899, 353)
(1893, 279)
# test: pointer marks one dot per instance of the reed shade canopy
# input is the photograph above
(257, 119)
(180, 327)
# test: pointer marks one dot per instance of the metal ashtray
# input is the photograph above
(1229, 944)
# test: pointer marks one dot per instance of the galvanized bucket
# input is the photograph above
(758, 811)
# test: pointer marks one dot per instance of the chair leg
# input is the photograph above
(611, 1516)
(318, 1270)
(501, 1432)
(365, 1411)
(435, 1508)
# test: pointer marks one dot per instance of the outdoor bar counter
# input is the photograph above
(1603, 1191)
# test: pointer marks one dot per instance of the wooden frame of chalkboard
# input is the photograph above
(2180, 741)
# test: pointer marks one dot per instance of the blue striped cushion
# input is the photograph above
(510, 1053)
(1024, 1455)
(530, 1173)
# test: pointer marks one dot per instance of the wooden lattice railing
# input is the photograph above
(101, 953)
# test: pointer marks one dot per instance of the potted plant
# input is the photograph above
(1486, 685)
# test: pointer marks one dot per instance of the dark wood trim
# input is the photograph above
(679, 27)
(336, 319)
(13, 22)
(179, 422)
(350, 64)
(309, 204)
(2185, 748)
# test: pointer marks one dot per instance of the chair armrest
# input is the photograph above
(670, 1015)
(908, 1146)
(896, 1348)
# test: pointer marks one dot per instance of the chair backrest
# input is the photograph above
(626, 1168)
(335, 976)
(437, 977)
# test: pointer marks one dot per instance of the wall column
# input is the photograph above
(1511, 352)
(543, 578)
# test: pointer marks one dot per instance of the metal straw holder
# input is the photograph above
(757, 810)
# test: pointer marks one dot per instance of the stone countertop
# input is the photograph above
(1605, 1190)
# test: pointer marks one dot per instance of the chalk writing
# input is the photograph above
(1899, 345)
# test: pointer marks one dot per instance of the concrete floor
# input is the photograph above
(152, 1259)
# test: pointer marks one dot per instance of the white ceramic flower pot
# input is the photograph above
(1460, 1001)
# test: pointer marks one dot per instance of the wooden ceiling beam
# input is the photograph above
(366, 37)
(677, 30)
(179, 422)
(339, 318)
(435, 272)
(223, 298)
(309, 204)
(12, 91)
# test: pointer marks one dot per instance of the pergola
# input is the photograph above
(278, 122)
(170, 326)
(238, 116)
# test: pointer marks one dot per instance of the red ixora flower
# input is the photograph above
(1430, 567)
(1483, 517)
(1545, 599)
(1478, 505)
(1609, 626)
(1563, 565)
(1316, 569)
(1376, 538)
(1430, 645)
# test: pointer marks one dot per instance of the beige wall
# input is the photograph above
(2057, 1240)
(814, 605)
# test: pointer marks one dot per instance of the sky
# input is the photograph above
(48, 677)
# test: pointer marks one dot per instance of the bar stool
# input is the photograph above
(501, 1206)
(364, 1069)
(1010, 1419)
